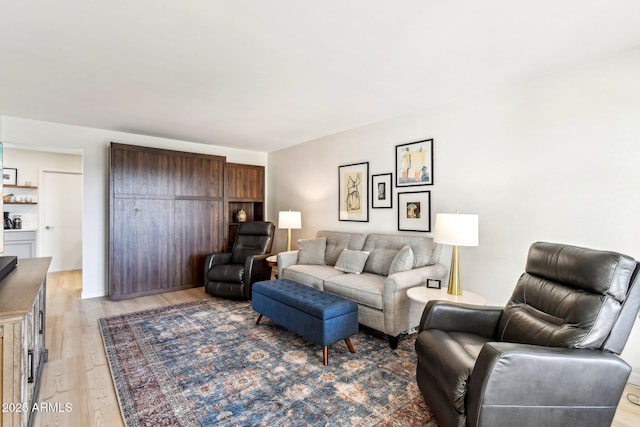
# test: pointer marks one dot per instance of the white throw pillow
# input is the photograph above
(351, 261)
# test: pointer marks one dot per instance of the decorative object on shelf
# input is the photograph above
(7, 198)
(381, 196)
(434, 284)
(457, 230)
(291, 220)
(10, 176)
(17, 222)
(414, 211)
(8, 223)
(353, 189)
(414, 163)
(241, 216)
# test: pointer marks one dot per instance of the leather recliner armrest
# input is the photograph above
(255, 270)
(528, 385)
(214, 259)
(452, 316)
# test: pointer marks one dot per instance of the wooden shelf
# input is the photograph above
(20, 203)
(31, 187)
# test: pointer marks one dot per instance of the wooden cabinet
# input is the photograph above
(245, 190)
(167, 212)
(22, 339)
(20, 243)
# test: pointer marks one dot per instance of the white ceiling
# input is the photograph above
(263, 75)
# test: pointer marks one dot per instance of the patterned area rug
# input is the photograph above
(208, 363)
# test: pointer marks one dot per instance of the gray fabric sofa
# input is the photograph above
(392, 264)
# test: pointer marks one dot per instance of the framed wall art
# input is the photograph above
(414, 163)
(414, 211)
(10, 176)
(381, 196)
(353, 183)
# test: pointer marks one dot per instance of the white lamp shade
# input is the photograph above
(456, 229)
(290, 220)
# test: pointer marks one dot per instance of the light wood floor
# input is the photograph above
(77, 372)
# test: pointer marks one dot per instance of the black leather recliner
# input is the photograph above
(232, 274)
(548, 358)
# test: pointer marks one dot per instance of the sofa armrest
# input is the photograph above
(527, 385)
(452, 316)
(398, 315)
(414, 277)
(285, 259)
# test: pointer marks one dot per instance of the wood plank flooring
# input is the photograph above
(77, 372)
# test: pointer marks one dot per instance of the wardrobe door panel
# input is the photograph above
(199, 176)
(136, 170)
(141, 247)
(199, 235)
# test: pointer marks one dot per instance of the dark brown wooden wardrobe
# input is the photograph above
(167, 211)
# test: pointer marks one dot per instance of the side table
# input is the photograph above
(423, 295)
(272, 262)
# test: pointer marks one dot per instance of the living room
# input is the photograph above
(548, 158)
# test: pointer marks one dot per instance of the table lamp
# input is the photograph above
(289, 220)
(457, 230)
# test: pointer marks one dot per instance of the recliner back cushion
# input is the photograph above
(254, 238)
(567, 297)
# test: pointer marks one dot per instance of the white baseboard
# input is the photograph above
(634, 378)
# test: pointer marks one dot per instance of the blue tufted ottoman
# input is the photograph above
(318, 316)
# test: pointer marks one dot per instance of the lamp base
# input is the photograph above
(455, 286)
(288, 240)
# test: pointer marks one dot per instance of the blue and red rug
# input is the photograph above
(207, 363)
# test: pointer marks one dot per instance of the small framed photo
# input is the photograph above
(353, 183)
(414, 211)
(381, 191)
(434, 284)
(10, 176)
(414, 163)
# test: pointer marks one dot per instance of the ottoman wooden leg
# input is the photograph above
(259, 318)
(348, 342)
(325, 355)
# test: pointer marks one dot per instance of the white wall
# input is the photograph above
(554, 159)
(94, 145)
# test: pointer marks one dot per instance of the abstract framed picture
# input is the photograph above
(10, 176)
(414, 163)
(414, 211)
(353, 183)
(381, 191)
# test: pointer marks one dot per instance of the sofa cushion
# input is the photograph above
(380, 260)
(425, 251)
(310, 275)
(351, 261)
(337, 241)
(403, 260)
(365, 288)
(312, 251)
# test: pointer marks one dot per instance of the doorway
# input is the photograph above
(61, 220)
